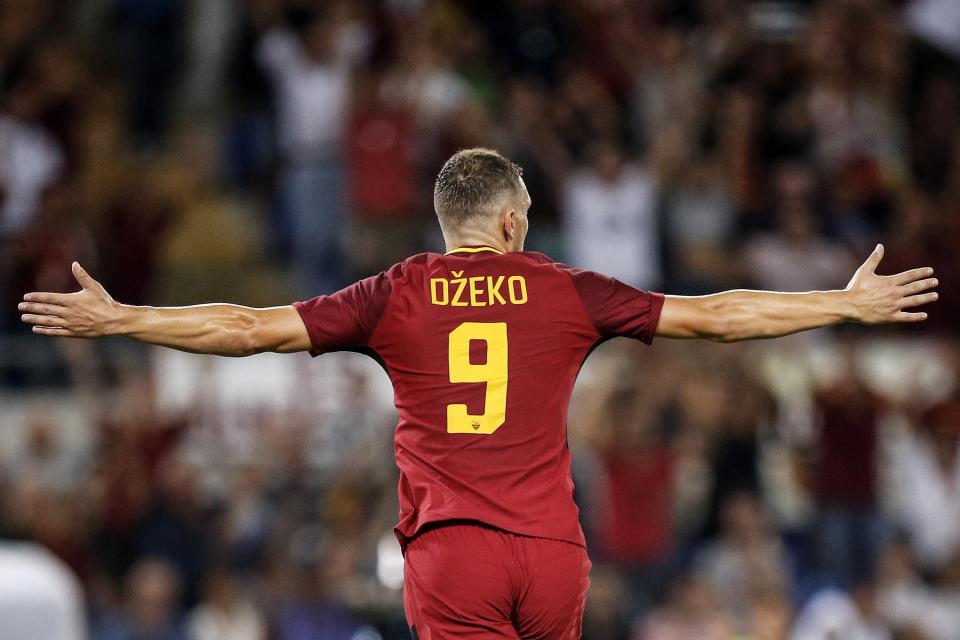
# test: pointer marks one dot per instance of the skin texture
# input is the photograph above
(869, 298)
(232, 330)
(219, 329)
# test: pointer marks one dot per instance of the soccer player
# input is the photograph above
(483, 344)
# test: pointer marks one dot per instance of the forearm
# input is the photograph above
(219, 329)
(744, 315)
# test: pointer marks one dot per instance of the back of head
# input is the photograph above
(473, 186)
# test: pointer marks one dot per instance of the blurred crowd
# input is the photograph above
(261, 151)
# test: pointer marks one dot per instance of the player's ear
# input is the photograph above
(509, 224)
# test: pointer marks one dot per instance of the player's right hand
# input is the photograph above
(878, 299)
(88, 313)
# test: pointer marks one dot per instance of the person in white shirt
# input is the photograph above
(224, 614)
(609, 216)
(927, 470)
(310, 70)
(832, 614)
(30, 161)
(39, 597)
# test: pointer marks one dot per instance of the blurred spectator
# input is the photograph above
(45, 460)
(908, 604)
(310, 69)
(834, 614)
(314, 607)
(700, 221)
(30, 161)
(636, 519)
(135, 221)
(210, 36)
(174, 525)
(151, 611)
(610, 218)
(607, 613)
(39, 596)
(936, 21)
(849, 114)
(246, 522)
(424, 79)
(532, 34)
(928, 461)
(692, 611)
(698, 403)
(774, 258)
(145, 500)
(383, 176)
(150, 35)
(746, 559)
(735, 447)
(532, 141)
(771, 616)
(224, 614)
(850, 526)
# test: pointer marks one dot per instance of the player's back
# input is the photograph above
(483, 350)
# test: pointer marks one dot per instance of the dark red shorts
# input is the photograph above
(468, 580)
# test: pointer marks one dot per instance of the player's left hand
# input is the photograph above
(88, 313)
(878, 299)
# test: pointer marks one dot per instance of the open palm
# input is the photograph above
(88, 313)
(881, 299)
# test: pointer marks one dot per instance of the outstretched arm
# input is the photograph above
(220, 329)
(743, 315)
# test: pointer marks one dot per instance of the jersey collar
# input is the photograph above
(472, 250)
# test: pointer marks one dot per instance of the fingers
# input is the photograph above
(41, 309)
(83, 278)
(919, 285)
(913, 274)
(917, 300)
(903, 316)
(49, 298)
(873, 261)
(44, 321)
(54, 331)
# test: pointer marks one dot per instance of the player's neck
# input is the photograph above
(477, 239)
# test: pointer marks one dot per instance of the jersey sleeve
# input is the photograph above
(345, 320)
(615, 308)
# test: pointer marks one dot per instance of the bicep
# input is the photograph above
(687, 317)
(281, 329)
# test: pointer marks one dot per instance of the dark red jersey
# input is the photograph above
(483, 349)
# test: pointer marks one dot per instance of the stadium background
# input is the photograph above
(261, 151)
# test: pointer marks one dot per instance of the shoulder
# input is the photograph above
(417, 260)
(577, 277)
(411, 266)
(542, 259)
(544, 264)
(539, 258)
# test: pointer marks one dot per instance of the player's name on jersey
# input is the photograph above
(477, 291)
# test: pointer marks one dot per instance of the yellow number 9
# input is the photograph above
(493, 372)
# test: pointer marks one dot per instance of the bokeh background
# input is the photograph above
(262, 151)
